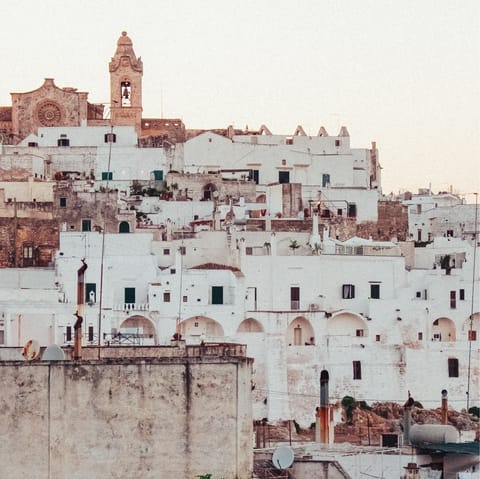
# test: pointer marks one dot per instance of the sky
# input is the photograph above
(405, 74)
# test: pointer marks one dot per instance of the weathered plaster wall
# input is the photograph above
(126, 418)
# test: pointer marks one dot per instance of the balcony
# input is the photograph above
(131, 307)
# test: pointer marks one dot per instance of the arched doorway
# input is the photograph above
(201, 327)
(300, 333)
(208, 191)
(250, 325)
(137, 330)
(346, 324)
(124, 227)
(443, 329)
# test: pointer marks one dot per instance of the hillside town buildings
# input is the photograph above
(284, 243)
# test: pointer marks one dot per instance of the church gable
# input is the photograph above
(48, 105)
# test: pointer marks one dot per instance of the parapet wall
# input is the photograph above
(142, 418)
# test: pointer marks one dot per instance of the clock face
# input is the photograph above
(49, 114)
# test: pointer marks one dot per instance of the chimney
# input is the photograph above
(322, 430)
(444, 406)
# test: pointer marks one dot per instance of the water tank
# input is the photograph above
(432, 434)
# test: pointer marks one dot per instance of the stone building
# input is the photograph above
(52, 106)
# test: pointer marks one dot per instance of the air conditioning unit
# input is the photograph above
(314, 307)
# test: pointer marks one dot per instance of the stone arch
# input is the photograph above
(137, 330)
(300, 332)
(250, 325)
(347, 324)
(208, 191)
(124, 227)
(443, 329)
(202, 327)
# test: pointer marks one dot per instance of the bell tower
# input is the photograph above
(126, 71)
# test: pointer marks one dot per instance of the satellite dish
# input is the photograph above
(31, 350)
(282, 457)
(53, 353)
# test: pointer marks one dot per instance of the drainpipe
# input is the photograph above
(77, 345)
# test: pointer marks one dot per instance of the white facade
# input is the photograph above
(329, 170)
(378, 329)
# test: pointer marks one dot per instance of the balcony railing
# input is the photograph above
(131, 307)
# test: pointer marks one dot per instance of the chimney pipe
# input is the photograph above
(444, 406)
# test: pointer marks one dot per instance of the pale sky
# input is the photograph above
(403, 73)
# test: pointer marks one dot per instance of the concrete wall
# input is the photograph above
(126, 418)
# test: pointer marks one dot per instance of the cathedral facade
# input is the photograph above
(52, 106)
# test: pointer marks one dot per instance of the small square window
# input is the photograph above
(166, 251)
(249, 250)
(359, 333)
(63, 202)
(110, 138)
(86, 225)
(185, 299)
(375, 291)
(107, 175)
(166, 297)
(377, 337)
(461, 295)
(337, 143)
(63, 142)
(420, 336)
(348, 291)
(472, 335)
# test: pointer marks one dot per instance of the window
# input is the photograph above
(183, 250)
(359, 333)
(472, 335)
(418, 294)
(453, 299)
(348, 291)
(337, 143)
(449, 233)
(419, 235)
(352, 210)
(217, 294)
(289, 140)
(110, 138)
(63, 202)
(254, 175)
(173, 270)
(166, 251)
(357, 370)
(90, 333)
(107, 175)
(420, 336)
(325, 180)
(375, 291)
(461, 295)
(185, 299)
(68, 333)
(452, 367)
(129, 295)
(2, 336)
(377, 337)
(86, 225)
(126, 93)
(249, 250)
(284, 162)
(63, 142)
(294, 298)
(284, 177)
(166, 297)
(32, 144)
(90, 292)
(28, 251)
(158, 175)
